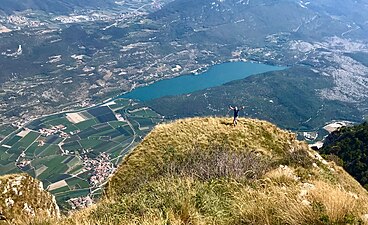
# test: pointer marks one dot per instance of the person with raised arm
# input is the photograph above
(236, 113)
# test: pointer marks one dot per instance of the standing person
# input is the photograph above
(236, 113)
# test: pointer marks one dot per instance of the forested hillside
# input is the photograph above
(350, 144)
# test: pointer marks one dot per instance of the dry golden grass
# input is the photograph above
(275, 204)
(337, 203)
(175, 140)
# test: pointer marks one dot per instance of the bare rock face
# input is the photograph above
(22, 196)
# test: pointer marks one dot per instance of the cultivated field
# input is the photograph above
(74, 153)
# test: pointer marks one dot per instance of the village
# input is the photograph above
(101, 168)
(55, 130)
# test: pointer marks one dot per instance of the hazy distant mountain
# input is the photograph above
(54, 6)
(247, 21)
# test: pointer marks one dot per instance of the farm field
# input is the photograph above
(74, 153)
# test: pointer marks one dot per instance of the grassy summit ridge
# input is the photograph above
(180, 140)
(205, 171)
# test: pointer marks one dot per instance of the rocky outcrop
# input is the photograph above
(24, 197)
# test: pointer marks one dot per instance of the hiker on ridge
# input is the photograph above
(236, 113)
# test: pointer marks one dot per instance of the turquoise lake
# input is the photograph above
(214, 76)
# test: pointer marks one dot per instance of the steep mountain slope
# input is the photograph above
(350, 144)
(288, 98)
(23, 198)
(252, 21)
(205, 171)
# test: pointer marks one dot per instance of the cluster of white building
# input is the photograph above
(19, 20)
(81, 202)
(55, 130)
(101, 168)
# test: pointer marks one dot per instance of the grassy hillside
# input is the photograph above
(205, 171)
